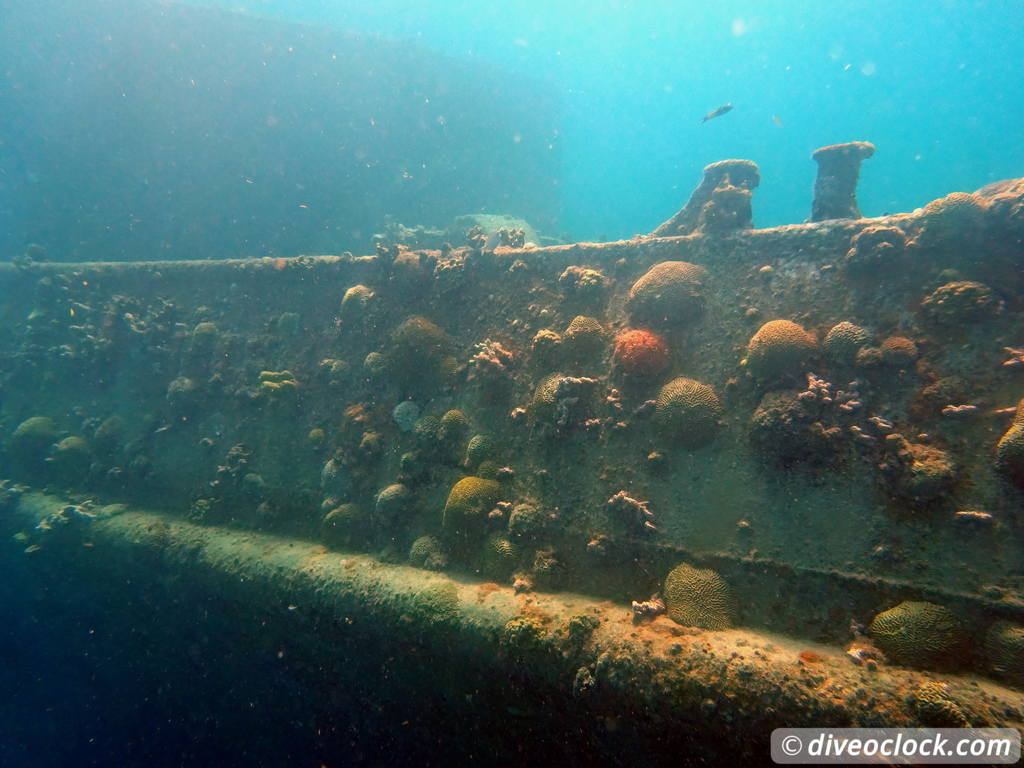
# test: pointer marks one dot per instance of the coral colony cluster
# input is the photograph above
(512, 434)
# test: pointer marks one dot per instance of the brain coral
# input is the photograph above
(778, 348)
(875, 248)
(355, 302)
(670, 293)
(898, 351)
(392, 502)
(468, 503)
(479, 449)
(545, 346)
(843, 342)
(951, 220)
(961, 301)
(584, 337)
(70, 459)
(417, 347)
(688, 411)
(499, 556)
(937, 708)
(697, 597)
(543, 404)
(919, 634)
(345, 526)
(33, 438)
(640, 352)
(427, 552)
(1004, 649)
(1010, 449)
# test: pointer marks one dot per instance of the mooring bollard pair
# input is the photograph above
(721, 202)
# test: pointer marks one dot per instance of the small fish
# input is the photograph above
(777, 120)
(717, 112)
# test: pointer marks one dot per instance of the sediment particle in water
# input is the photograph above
(699, 597)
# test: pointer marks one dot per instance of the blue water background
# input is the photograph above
(936, 86)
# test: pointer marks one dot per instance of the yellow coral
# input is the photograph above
(779, 347)
(278, 383)
(669, 293)
(699, 597)
(468, 503)
(688, 410)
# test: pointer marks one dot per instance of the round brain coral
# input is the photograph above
(1010, 449)
(898, 351)
(392, 503)
(499, 556)
(345, 526)
(778, 348)
(584, 337)
(951, 220)
(427, 552)
(875, 248)
(355, 302)
(688, 410)
(1004, 649)
(959, 302)
(418, 344)
(469, 502)
(699, 597)
(641, 353)
(844, 341)
(670, 293)
(542, 406)
(33, 438)
(919, 634)
(479, 449)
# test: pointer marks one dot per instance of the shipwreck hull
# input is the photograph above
(241, 402)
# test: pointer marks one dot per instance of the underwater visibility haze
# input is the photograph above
(397, 383)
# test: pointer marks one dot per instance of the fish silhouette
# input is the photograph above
(717, 112)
